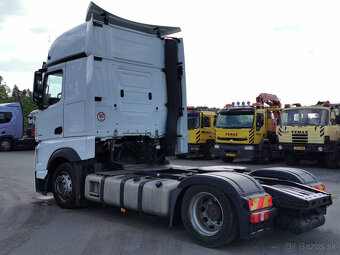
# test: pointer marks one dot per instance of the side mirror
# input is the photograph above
(38, 88)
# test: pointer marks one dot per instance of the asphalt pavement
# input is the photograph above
(33, 224)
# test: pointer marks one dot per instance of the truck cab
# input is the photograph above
(310, 132)
(201, 131)
(246, 132)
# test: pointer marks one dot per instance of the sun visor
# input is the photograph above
(101, 15)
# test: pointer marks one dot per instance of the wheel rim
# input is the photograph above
(206, 214)
(5, 145)
(63, 186)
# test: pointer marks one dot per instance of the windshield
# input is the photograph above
(304, 117)
(193, 122)
(235, 121)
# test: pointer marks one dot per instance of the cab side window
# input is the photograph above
(333, 118)
(53, 85)
(206, 122)
(259, 121)
(5, 117)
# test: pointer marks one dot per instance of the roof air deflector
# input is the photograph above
(101, 15)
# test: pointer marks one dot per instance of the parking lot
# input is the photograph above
(32, 224)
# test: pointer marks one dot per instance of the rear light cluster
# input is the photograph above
(259, 217)
(257, 204)
(320, 187)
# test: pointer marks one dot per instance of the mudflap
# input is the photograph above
(80, 186)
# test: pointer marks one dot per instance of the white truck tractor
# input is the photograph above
(112, 100)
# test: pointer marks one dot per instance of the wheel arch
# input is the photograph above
(64, 155)
(265, 142)
(287, 173)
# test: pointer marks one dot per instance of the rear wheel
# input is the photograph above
(64, 186)
(291, 160)
(6, 144)
(208, 216)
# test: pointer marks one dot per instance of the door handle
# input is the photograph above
(58, 130)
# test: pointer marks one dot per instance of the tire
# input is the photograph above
(6, 144)
(208, 216)
(64, 186)
(210, 153)
(332, 160)
(291, 160)
(266, 155)
(228, 159)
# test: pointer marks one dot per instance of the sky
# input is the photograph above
(234, 49)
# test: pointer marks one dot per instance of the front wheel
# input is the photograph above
(266, 155)
(210, 153)
(6, 144)
(64, 186)
(208, 216)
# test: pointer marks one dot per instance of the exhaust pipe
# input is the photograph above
(306, 223)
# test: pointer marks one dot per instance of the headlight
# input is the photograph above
(249, 148)
(280, 147)
(319, 149)
(217, 146)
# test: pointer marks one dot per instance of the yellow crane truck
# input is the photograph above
(249, 131)
(310, 132)
(201, 130)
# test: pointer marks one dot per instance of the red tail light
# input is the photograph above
(259, 217)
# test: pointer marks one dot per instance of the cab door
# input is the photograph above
(207, 128)
(260, 127)
(53, 125)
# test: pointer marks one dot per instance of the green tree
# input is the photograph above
(27, 105)
(4, 92)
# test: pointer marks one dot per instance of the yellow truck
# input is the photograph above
(311, 133)
(249, 131)
(201, 130)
